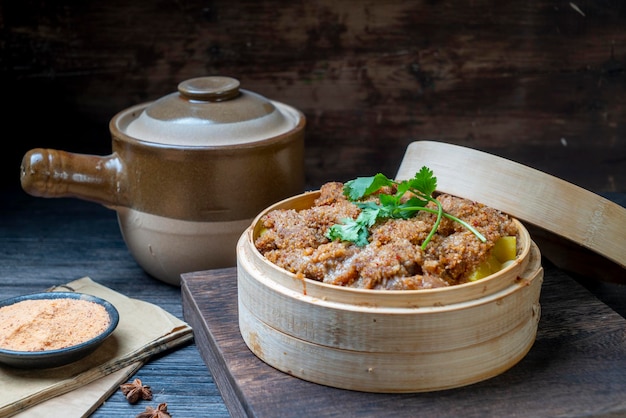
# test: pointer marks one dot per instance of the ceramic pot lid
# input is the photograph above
(212, 111)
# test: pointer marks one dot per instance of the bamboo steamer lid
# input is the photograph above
(552, 204)
(387, 341)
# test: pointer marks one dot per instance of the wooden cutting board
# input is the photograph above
(578, 230)
(576, 367)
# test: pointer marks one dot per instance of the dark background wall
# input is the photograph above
(540, 82)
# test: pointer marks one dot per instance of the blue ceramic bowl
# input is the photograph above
(62, 356)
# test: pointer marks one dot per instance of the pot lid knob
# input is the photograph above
(210, 89)
(212, 111)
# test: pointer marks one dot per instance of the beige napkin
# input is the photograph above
(144, 330)
(81, 403)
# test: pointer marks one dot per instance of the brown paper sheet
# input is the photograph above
(144, 329)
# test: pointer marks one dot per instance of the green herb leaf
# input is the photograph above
(365, 186)
(355, 230)
(422, 185)
(424, 181)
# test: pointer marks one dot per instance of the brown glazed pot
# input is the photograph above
(187, 174)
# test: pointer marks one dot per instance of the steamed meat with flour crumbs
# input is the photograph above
(393, 258)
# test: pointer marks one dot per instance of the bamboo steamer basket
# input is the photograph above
(387, 341)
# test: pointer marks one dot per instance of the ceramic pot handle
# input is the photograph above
(53, 173)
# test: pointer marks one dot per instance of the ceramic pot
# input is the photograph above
(387, 341)
(187, 174)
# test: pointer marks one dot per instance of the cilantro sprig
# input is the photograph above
(422, 187)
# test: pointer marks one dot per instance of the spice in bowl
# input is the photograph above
(50, 324)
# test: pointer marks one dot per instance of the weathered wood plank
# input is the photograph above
(539, 82)
(47, 242)
(575, 368)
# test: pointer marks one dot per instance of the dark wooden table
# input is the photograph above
(46, 242)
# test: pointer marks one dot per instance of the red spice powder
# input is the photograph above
(49, 324)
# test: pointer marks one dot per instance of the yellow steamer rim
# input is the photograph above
(381, 340)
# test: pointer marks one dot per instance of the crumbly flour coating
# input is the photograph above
(393, 259)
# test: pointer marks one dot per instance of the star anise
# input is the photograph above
(135, 391)
(159, 412)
